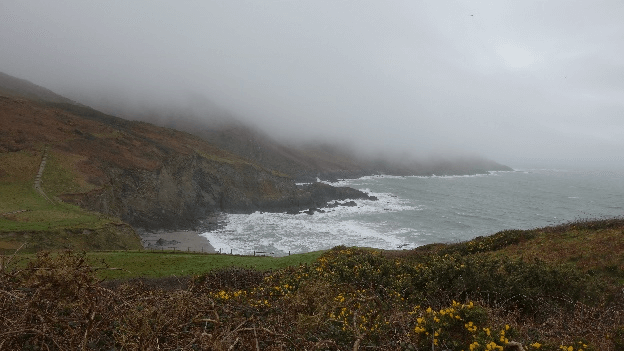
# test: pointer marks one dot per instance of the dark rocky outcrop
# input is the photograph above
(187, 189)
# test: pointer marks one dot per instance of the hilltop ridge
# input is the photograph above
(15, 87)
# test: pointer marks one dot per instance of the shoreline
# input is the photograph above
(182, 240)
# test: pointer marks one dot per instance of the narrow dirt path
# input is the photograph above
(40, 174)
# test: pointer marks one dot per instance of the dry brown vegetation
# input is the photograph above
(93, 138)
(467, 296)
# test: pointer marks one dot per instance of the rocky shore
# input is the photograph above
(309, 199)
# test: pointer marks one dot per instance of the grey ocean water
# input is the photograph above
(413, 211)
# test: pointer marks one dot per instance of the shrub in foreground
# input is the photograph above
(348, 299)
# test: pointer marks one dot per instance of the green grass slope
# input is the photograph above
(26, 217)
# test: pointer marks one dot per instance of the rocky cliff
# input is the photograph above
(186, 189)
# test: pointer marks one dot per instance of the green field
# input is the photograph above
(157, 264)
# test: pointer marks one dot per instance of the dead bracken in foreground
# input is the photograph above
(479, 295)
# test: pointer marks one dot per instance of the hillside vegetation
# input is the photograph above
(101, 170)
(528, 287)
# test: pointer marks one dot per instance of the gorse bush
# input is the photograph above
(515, 284)
(349, 298)
(489, 243)
(530, 287)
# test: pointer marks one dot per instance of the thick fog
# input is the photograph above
(526, 83)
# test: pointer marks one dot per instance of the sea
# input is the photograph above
(415, 211)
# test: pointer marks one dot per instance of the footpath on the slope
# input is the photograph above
(40, 174)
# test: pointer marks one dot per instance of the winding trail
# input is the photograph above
(40, 174)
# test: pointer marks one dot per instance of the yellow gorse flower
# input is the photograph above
(470, 327)
(492, 346)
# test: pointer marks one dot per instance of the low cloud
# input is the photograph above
(527, 83)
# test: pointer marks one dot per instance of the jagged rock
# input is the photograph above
(312, 210)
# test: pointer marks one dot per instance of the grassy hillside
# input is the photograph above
(24, 209)
(530, 287)
(27, 217)
(594, 247)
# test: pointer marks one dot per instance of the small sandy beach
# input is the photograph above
(186, 240)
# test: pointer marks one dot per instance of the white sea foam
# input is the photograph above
(413, 211)
(282, 233)
(217, 242)
(352, 182)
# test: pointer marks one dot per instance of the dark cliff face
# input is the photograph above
(187, 189)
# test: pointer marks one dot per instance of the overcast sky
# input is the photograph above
(521, 82)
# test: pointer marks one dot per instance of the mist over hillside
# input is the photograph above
(524, 83)
(305, 158)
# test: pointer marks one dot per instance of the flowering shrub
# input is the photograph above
(459, 326)
(348, 299)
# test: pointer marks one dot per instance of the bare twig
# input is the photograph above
(13, 255)
(88, 328)
(234, 344)
(256, 338)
